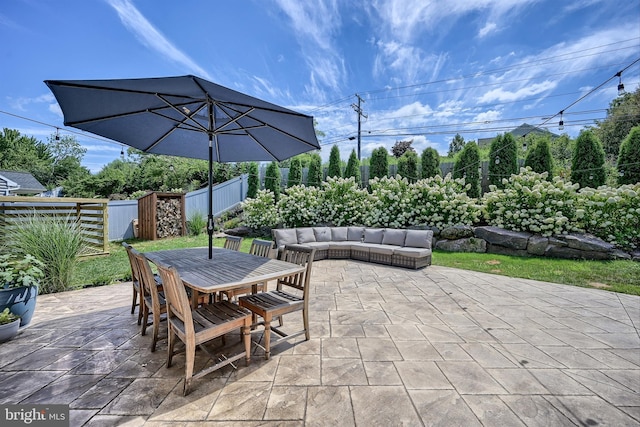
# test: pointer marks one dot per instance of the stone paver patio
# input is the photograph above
(389, 346)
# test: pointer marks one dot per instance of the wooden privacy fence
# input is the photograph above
(91, 214)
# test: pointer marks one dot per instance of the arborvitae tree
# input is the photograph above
(539, 156)
(253, 182)
(430, 163)
(295, 172)
(629, 158)
(408, 166)
(503, 159)
(587, 165)
(273, 179)
(334, 163)
(467, 166)
(314, 177)
(622, 115)
(379, 163)
(353, 167)
(456, 145)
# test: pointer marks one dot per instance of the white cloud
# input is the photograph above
(315, 25)
(487, 116)
(490, 27)
(22, 103)
(502, 95)
(151, 37)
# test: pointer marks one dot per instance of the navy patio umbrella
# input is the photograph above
(185, 116)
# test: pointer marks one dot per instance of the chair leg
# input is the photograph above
(267, 336)
(156, 329)
(190, 353)
(135, 299)
(305, 321)
(246, 336)
(170, 346)
(140, 304)
(145, 320)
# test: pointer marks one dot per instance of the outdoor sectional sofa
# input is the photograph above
(391, 246)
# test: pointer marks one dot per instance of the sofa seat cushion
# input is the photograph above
(323, 234)
(305, 235)
(381, 249)
(394, 236)
(418, 239)
(284, 236)
(412, 252)
(319, 246)
(340, 245)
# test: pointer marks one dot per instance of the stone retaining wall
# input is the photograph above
(499, 241)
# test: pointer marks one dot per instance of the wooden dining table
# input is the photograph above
(225, 270)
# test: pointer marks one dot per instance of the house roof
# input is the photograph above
(26, 183)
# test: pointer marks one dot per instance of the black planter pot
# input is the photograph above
(20, 301)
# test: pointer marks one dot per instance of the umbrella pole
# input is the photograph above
(210, 216)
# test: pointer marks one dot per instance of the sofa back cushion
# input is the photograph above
(418, 239)
(284, 236)
(305, 235)
(393, 236)
(323, 234)
(354, 234)
(373, 235)
(339, 234)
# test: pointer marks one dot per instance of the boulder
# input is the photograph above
(537, 245)
(501, 237)
(585, 242)
(572, 253)
(240, 231)
(635, 256)
(501, 250)
(467, 244)
(457, 232)
(620, 254)
(436, 230)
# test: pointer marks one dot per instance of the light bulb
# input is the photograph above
(497, 160)
(561, 125)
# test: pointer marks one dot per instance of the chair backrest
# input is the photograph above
(261, 248)
(177, 299)
(233, 243)
(300, 255)
(135, 274)
(147, 282)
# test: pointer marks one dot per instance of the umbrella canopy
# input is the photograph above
(185, 116)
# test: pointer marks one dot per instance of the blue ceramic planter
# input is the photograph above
(21, 302)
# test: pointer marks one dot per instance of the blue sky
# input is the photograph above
(425, 69)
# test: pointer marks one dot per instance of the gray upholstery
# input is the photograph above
(284, 236)
(339, 234)
(373, 235)
(418, 238)
(323, 234)
(305, 235)
(393, 236)
(354, 234)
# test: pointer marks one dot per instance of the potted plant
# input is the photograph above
(9, 325)
(19, 279)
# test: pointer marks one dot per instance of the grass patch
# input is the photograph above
(617, 276)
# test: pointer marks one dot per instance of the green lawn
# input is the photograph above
(618, 276)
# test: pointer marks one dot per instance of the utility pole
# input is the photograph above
(358, 110)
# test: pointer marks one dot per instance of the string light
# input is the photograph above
(122, 151)
(57, 134)
(621, 90)
(561, 124)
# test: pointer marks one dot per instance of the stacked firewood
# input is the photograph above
(169, 218)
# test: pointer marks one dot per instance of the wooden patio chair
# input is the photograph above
(153, 297)
(291, 294)
(135, 281)
(232, 242)
(259, 248)
(195, 327)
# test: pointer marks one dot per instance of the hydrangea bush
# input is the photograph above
(529, 202)
(612, 214)
(389, 203)
(261, 211)
(442, 202)
(342, 202)
(298, 207)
